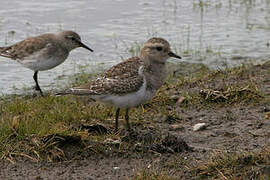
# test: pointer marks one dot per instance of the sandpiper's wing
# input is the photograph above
(27, 48)
(122, 78)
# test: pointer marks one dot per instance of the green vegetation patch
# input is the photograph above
(246, 165)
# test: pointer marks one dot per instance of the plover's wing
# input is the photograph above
(122, 78)
(125, 69)
(26, 48)
(108, 86)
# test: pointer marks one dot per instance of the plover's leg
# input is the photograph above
(127, 118)
(116, 119)
(36, 80)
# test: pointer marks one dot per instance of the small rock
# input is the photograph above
(176, 127)
(112, 141)
(266, 109)
(180, 100)
(138, 144)
(267, 115)
(174, 97)
(116, 168)
(199, 126)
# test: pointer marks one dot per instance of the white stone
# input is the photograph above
(116, 168)
(112, 141)
(199, 126)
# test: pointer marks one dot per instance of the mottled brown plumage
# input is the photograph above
(112, 86)
(125, 69)
(120, 79)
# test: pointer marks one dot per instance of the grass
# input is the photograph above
(23, 119)
(245, 165)
(135, 49)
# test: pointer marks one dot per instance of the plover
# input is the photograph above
(43, 52)
(131, 82)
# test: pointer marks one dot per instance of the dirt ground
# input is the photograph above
(172, 145)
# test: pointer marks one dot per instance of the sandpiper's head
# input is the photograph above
(157, 49)
(72, 40)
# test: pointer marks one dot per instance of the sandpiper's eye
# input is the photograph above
(159, 48)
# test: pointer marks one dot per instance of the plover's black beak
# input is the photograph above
(84, 46)
(171, 54)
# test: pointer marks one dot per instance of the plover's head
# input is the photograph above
(72, 40)
(157, 49)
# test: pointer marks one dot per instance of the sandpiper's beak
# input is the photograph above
(171, 54)
(84, 46)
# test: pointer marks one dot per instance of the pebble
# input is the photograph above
(116, 168)
(111, 141)
(199, 126)
(176, 127)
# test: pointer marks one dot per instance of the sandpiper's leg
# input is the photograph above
(127, 118)
(36, 80)
(116, 119)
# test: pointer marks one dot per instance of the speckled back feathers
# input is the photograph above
(120, 79)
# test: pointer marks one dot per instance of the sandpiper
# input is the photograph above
(131, 82)
(43, 52)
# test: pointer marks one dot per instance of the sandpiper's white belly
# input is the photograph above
(128, 100)
(42, 64)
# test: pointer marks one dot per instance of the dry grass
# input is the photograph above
(246, 165)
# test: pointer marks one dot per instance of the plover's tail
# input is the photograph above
(62, 93)
(74, 91)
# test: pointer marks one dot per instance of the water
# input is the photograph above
(217, 33)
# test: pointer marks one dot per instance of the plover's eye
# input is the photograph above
(71, 37)
(159, 48)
